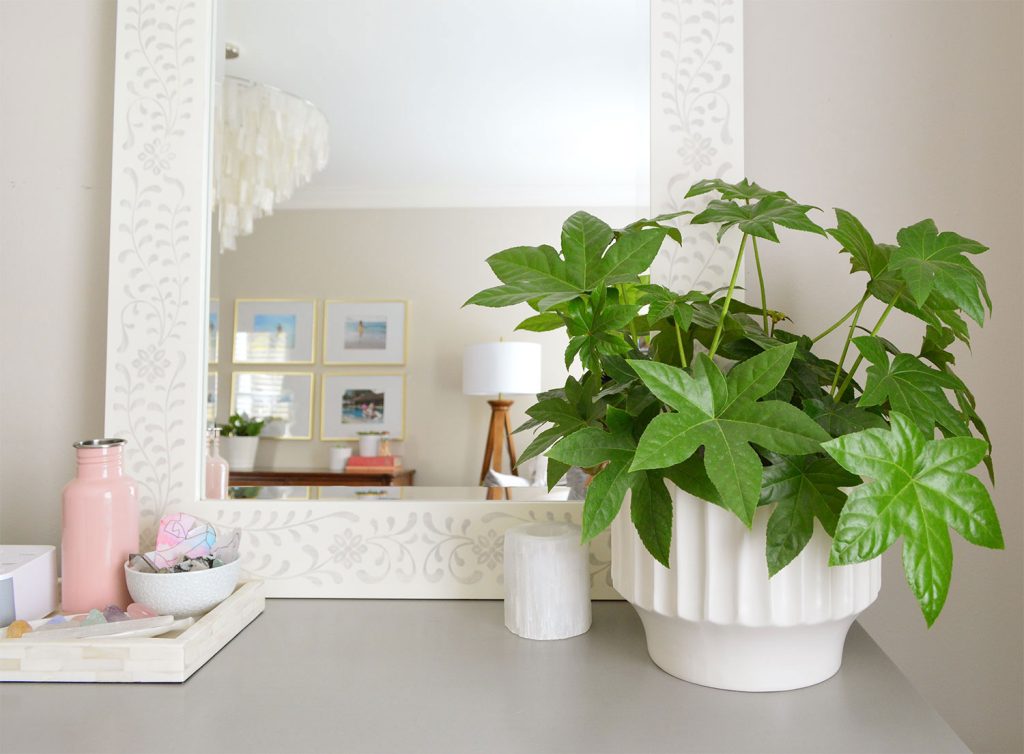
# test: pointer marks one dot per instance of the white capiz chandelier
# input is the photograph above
(266, 144)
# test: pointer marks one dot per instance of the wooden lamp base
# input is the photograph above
(500, 433)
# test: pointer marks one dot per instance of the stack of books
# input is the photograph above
(374, 464)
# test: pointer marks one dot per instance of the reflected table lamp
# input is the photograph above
(501, 369)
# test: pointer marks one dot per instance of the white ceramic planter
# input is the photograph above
(338, 459)
(716, 619)
(239, 452)
(369, 445)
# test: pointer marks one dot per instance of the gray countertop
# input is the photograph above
(425, 676)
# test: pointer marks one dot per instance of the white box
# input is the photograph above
(28, 582)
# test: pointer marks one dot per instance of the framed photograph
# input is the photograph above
(364, 332)
(211, 398)
(274, 331)
(354, 403)
(213, 333)
(283, 398)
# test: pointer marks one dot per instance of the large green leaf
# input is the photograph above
(595, 328)
(729, 191)
(917, 488)
(650, 509)
(909, 387)
(841, 418)
(722, 414)
(584, 239)
(614, 450)
(542, 322)
(670, 230)
(758, 219)
(528, 273)
(567, 411)
(865, 255)
(631, 255)
(928, 260)
(802, 488)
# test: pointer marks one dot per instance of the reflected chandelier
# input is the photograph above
(266, 144)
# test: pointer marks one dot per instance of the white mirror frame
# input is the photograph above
(159, 292)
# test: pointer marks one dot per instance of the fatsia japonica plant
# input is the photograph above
(716, 396)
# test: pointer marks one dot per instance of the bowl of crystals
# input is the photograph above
(193, 569)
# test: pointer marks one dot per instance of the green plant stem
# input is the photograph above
(760, 282)
(860, 357)
(621, 288)
(855, 311)
(679, 342)
(728, 298)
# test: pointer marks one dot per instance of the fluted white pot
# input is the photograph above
(716, 619)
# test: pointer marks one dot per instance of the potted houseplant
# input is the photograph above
(752, 484)
(239, 441)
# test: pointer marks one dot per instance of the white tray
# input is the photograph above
(171, 658)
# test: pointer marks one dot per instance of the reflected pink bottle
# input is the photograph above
(100, 528)
(216, 467)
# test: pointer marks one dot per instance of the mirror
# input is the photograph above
(369, 156)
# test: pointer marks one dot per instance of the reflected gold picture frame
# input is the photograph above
(325, 345)
(233, 408)
(314, 308)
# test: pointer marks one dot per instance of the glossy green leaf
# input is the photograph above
(928, 260)
(917, 488)
(630, 256)
(542, 322)
(650, 508)
(802, 488)
(691, 476)
(722, 414)
(584, 239)
(555, 471)
(841, 418)
(592, 447)
(865, 255)
(910, 387)
(670, 230)
(567, 411)
(730, 191)
(595, 329)
(758, 219)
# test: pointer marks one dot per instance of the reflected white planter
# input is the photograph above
(239, 452)
(716, 619)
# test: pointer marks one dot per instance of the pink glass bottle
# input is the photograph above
(216, 467)
(100, 528)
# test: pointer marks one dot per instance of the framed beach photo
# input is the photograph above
(274, 331)
(285, 399)
(364, 332)
(354, 403)
(213, 333)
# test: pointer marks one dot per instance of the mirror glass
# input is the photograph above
(369, 156)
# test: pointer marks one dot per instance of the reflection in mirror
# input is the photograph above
(369, 157)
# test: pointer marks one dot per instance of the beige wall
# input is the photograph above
(895, 110)
(432, 258)
(899, 111)
(56, 100)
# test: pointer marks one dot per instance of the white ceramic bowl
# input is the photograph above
(184, 594)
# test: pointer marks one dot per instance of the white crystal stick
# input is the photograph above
(547, 581)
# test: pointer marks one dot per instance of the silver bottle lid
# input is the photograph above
(102, 442)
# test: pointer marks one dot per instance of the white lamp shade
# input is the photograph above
(507, 367)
